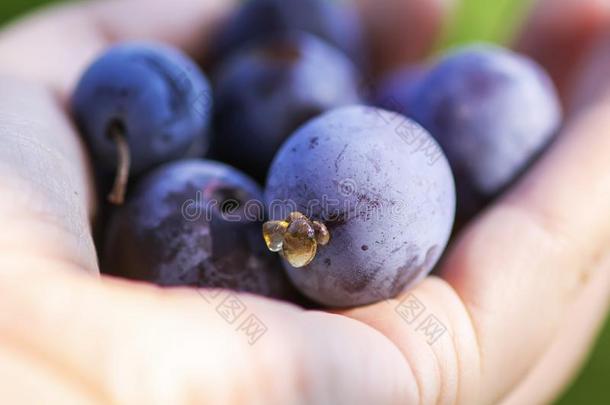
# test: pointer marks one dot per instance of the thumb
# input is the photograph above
(592, 84)
(558, 34)
(180, 346)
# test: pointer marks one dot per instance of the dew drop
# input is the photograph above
(299, 250)
(273, 233)
(321, 232)
(296, 238)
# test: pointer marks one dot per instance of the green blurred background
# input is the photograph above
(493, 20)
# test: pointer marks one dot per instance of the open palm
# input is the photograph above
(518, 300)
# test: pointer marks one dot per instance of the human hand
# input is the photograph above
(520, 295)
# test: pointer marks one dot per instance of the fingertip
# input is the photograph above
(591, 83)
(400, 32)
(55, 45)
(559, 33)
(183, 23)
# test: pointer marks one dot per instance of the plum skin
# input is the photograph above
(265, 92)
(175, 230)
(493, 112)
(154, 93)
(388, 204)
(395, 90)
(259, 20)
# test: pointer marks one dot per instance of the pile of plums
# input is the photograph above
(359, 197)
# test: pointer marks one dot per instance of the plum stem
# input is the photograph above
(117, 195)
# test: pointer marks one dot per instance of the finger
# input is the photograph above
(26, 380)
(513, 276)
(591, 84)
(54, 46)
(577, 335)
(580, 325)
(522, 265)
(559, 32)
(160, 346)
(47, 196)
(433, 330)
(401, 32)
(47, 201)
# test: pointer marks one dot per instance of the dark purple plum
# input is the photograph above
(493, 112)
(395, 90)
(260, 19)
(194, 223)
(146, 100)
(384, 191)
(266, 92)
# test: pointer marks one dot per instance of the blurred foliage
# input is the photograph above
(474, 20)
(485, 20)
(592, 387)
(12, 8)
